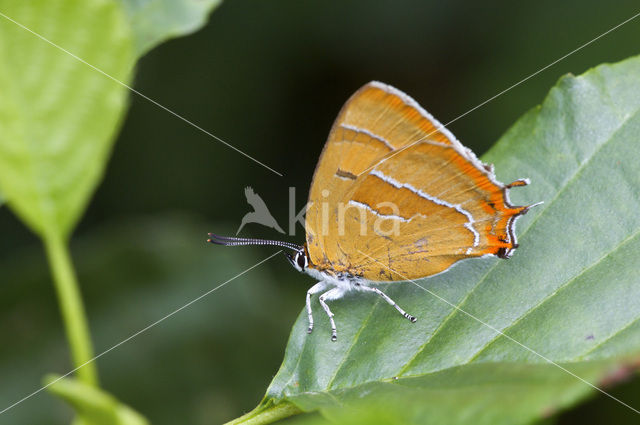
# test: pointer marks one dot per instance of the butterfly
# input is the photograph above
(394, 197)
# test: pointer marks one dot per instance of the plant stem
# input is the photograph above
(73, 314)
(266, 414)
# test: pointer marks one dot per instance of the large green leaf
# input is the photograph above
(155, 21)
(571, 292)
(58, 116)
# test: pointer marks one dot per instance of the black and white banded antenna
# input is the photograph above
(232, 241)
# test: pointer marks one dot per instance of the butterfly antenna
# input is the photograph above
(231, 241)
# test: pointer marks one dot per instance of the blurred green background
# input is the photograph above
(269, 78)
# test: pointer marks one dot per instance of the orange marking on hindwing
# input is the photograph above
(390, 165)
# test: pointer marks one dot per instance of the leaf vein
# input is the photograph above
(554, 293)
(353, 343)
(525, 231)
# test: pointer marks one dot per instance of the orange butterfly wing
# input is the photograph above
(395, 196)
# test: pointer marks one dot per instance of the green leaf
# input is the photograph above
(94, 406)
(155, 21)
(571, 292)
(58, 116)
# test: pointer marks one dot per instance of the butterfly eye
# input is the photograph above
(301, 260)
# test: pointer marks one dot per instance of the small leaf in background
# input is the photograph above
(155, 21)
(192, 368)
(58, 117)
(570, 292)
(94, 406)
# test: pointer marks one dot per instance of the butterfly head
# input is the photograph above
(299, 259)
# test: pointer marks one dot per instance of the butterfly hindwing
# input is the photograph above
(395, 196)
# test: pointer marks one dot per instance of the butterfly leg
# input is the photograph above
(320, 286)
(387, 299)
(331, 294)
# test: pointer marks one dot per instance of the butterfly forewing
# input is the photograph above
(373, 123)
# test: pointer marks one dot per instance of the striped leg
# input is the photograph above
(331, 294)
(389, 300)
(318, 287)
